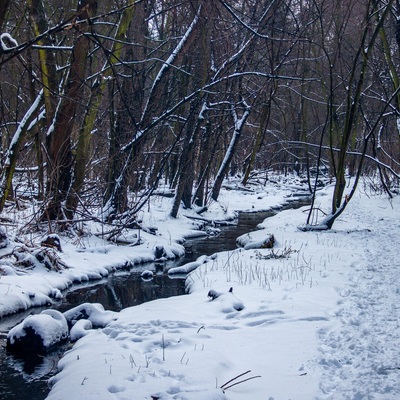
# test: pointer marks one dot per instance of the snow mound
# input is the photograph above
(38, 333)
(147, 275)
(227, 302)
(80, 329)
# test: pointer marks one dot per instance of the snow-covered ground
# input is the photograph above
(317, 317)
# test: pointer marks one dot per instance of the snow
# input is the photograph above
(189, 267)
(7, 42)
(316, 317)
(80, 329)
(49, 325)
(22, 125)
(93, 312)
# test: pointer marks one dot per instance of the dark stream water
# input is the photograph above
(21, 380)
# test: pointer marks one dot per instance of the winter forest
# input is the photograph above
(138, 138)
(103, 102)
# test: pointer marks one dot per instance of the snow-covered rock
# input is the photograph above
(147, 275)
(38, 334)
(227, 301)
(256, 240)
(94, 312)
(52, 240)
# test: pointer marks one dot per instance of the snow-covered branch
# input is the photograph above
(170, 60)
(7, 42)
(23, 125)
(238, 124)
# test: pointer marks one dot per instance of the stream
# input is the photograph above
(25, 380)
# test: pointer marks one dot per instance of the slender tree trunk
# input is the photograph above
(394, 76)
(223, 169)
(264, 119)
(352, 103)
(46, 58)
(199, 196)
(127, 111)
(184, 186)
(17, 141)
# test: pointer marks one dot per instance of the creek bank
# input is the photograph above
(112, 287)
(42, 333)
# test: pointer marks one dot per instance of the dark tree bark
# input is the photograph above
(127, 110)
(223, 169)
(3, 11)
(60, 158)
(183, 191)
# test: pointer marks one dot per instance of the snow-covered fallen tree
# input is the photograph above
(189, 267)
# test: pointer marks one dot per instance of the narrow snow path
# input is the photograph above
(361, 355)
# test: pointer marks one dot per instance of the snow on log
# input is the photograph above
(53, 241)
(252, 240)
(7, 42)
(38, 334)
(189, 267)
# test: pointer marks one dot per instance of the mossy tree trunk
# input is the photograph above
(97, 93)
(59, 146)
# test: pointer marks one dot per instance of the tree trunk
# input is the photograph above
(60, 159)
(17, 141)
(127, 111)
(207, 153)
(264, 119)
(3, 11)
(186, 165)
(352, 103)
(98, 88)
(223, 169)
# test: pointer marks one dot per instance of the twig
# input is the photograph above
(244, 380)
(132, 361)
(238, 376)
(183, 356)
(163, 348)
(202, 327)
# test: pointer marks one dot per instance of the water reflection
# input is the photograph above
(23, 380)
(126, 288)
